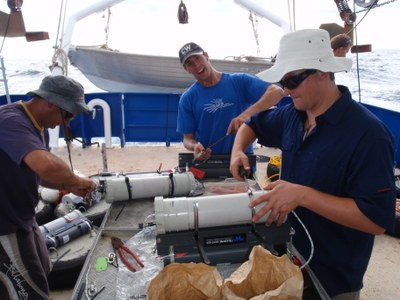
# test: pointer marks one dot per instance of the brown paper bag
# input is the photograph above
(186, 281)
(264, 276)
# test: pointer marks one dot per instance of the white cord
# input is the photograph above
(309, 237)
(304, 227)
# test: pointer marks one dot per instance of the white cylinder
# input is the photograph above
(49, 195)
(148, 186)
(178, 214)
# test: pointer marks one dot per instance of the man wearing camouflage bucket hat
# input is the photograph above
(330, 145)
(63, 92)
(27, 162)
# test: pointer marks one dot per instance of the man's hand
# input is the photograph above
(282, 198)
(239, 162)
(83, 187)
(235, 124)
(201, 153)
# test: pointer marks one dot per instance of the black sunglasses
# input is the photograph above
(294, 81)
(67, 116)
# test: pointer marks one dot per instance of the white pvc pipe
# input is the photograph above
(107, 118)
(144, 186)
(262, 12)
(178, 214)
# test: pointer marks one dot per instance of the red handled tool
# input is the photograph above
(119, 246)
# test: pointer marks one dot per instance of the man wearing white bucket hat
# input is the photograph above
(332, 148)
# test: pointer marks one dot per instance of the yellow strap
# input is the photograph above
(33, 120)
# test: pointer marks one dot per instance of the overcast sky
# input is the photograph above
(221, 27)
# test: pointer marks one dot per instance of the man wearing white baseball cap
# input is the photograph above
(332, 147)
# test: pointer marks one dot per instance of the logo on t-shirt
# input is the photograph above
(216, 104)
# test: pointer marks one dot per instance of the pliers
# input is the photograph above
(119, 246)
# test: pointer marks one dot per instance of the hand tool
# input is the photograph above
(218, 141)
(209, 147)
(243, 174)
(121, 248)
(197, 156)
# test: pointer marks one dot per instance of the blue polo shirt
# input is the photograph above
(348, 154)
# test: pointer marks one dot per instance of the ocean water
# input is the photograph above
(373, 79)
(24, 75)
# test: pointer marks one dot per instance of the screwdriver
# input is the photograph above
(243, 174)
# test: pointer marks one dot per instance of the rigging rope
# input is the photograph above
(107, 28)
(375, 6)
(5, 34)
(254, 23)
(60, 59)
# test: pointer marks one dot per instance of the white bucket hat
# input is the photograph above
(305, 49)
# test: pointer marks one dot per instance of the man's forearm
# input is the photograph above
(270, 98)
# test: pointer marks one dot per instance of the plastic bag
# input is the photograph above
(133, 285)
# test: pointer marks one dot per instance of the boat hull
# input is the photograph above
(115, 71)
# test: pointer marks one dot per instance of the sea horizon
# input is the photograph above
(373, 78)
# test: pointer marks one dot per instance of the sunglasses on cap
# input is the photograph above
(294, 81)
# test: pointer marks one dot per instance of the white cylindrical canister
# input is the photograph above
(178, 214)
(148, 186)
(49, 195)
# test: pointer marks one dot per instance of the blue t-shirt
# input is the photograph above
(18, 183)
(208, 111)
(348, 154)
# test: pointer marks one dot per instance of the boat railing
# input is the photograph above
(151, 118)
(132, 118)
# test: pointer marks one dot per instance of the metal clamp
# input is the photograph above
(202, 252)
